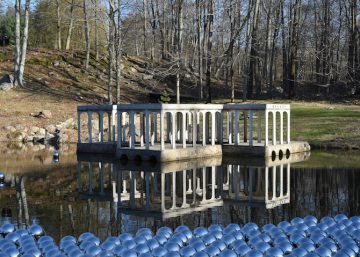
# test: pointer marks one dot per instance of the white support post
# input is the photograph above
(274, 128)
(154, 128)
(266, 183)
(168, 126)
(266, 128)
(229, 127)
(162, 135)
(142, 128)
(204, 126)
(288, 179)
(259, 128)
(281, 128)
(245, 127)
(207, 124)
(90, 126)
(194, 128)
(101, 126)
(79, 127)
(221, 128)
(288, 127)
(173, 130)
(183, 129)
(274, 183)
(123, 122)
(251, 115)
(237, 139)
(132, 129)
(113, 122)
(119, 129)
(147, 130)
(281, 180)
(213, 127)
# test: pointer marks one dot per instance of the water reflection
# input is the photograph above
(107, 197)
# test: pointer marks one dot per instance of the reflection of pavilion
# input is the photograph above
(177, 188)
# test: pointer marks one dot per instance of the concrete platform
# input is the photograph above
(258, 149)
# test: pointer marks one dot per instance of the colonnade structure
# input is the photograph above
(174, 189)
(169, 132)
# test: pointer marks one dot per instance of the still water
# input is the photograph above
(95, 193)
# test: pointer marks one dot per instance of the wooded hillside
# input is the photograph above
(233, 49)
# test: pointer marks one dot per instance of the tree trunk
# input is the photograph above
(144, 26)
(71, 25)
(111, 50)
(24, 44)
(118, 53)
(210, 17)
(58, 26)
(17, 54)
(199, 44)
(179, 49)
(96, 29)
(87, 35)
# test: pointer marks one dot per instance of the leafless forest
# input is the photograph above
(256, 48)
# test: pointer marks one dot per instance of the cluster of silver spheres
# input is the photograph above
(331, 236)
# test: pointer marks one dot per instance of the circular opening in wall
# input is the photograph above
(273, 155)
(287, 153)
(281, 155)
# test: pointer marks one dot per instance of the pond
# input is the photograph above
(81, 193)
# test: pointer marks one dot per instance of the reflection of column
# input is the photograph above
(147, 190)
(235, 181)
(114, 194)
(281, 180)
(101, 168)
(184, 204)
(162, 181)
(213, 178)
(204, 183)
(78, 169)
(132, 189)
(90, 178)
(251, 181)
(266, 184)
(173, 175)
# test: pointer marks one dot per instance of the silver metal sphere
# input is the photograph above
(352, 246)
(65, 244)
(237, 243)
(200, 231)
(299, 252)
(310, 218)
(180, 236)
(348, 252)
(208, 239)
(145, 255)
(172, 254)
(94, 240)
(286, 247)
(129, 253)
(254, 253)
(93, 250)
(159, 251)
(142, 248)
(200, 254)
(198, 246)
(75, 253)
(302, 227)
(355, 219)
(265, 238)
(161, 239)
(238, 235)
(85, 236)
(13, 236)
(228, 239)
(145, 231)
(118, 250)
(215, 227)
(12, 252)
(228, 253)
(242, 250)
(187, 251)
(283, 225)
(220, 244)
(308, 246)
(129, 244)
(267, 227)
(22, 232)
(152, 243)
(85, 245)
(188, 234)
(275, 251)
(172, 247)
(113, 239)
(296, 221)
(329, 221)
(217, 234)
(125, 237)
(212, 250)
(177, 241)
(182, 228)
(166, 230)
(105, 254)
(340, 217)
(262, 246)
(331, 246)
(7, 228)
(137, 240)
(36, 230)
(107, 246)
(68, 238)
